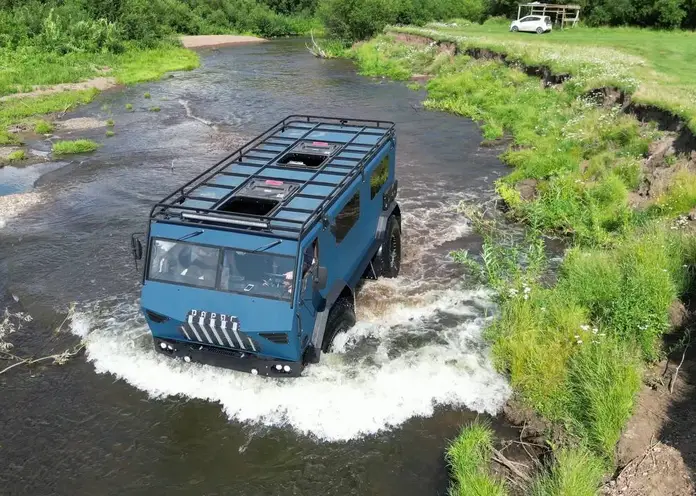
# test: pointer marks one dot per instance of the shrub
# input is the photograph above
(360, 19)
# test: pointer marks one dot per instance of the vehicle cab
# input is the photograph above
(253, 265)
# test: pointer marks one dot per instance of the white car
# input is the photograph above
(532, 24)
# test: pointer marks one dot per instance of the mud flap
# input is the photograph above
(314, 355)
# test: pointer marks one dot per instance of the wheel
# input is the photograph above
(341, 318)
(515, 29)
(540, 31)
(391, 249)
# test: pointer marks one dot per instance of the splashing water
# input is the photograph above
(413, 348)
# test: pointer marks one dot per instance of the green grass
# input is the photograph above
(16, 156)
(147, 95)
(15, 111)
(469, 457)
(110, 123)
(655, 66)
(555, 133)
(137, 66)
(73, 147)
(575, 472)
(110, 133)
(129, 106)
(574, 350)
(43, 127)
(27, 67)
(155, 109)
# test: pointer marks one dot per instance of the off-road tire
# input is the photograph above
(515, 29)
(540, 31)
(391, 249)
(341, 318)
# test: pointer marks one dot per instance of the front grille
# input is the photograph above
(217, 330)
(275, 337)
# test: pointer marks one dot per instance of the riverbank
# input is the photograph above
(41, 87)
(603, 156)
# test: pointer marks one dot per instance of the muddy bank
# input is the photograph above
(219, 40)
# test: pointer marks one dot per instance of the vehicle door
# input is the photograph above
(527, 23)
(309, 296)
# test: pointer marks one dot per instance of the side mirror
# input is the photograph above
(136, 249)
(320, 278)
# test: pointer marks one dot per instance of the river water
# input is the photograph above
(374, 417)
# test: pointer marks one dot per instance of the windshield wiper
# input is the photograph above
(269, 245)
(191, 235)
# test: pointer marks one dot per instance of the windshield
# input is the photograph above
(210, 267)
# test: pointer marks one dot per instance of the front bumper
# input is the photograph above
(227, 358)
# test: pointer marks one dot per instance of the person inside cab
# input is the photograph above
(310, 256)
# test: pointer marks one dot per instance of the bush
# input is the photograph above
(360, 19)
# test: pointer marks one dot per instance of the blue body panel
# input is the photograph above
(319, 198)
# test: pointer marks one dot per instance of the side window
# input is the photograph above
(379, 177)
(347, 218)
(310, 256)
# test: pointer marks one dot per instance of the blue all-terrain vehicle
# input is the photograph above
(253, 265)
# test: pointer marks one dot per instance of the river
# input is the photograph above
(374, 417)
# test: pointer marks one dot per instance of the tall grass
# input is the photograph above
(469, 457)
(574, 472)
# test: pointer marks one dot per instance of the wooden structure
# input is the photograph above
(559, 14)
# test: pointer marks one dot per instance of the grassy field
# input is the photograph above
(574, 350)
(656, 66)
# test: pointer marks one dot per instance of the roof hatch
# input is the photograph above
(258, 197)
(309, 154)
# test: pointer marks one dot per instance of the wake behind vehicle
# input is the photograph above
(253, 265)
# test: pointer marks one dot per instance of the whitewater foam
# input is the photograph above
(415, 346)
(349, 394)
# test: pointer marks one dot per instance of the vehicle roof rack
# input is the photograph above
(283, 181)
